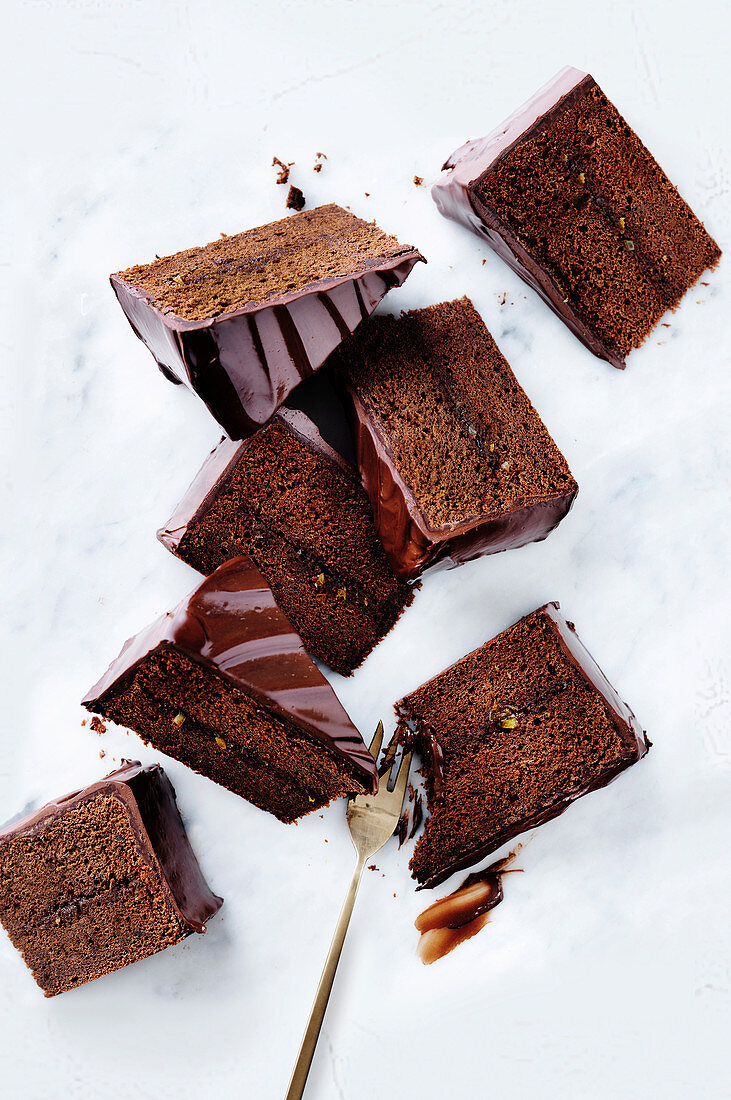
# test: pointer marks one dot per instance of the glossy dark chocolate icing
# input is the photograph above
(244, 363)
(618, 711)
(456, 195)
(411, 544)
(220, 465)
(232, 624)
(150, 801)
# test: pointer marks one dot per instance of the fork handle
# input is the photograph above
(312, 1033)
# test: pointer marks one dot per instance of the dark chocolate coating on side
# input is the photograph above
(411, 544)
(455, 194)
(149, 799)
(232, 625)
(244, 363)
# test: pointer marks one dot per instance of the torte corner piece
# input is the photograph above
(291, 502)
(455, 459)
(510, 736)
(100, 879)
(569, 197)
(224, 685)
(244, 319)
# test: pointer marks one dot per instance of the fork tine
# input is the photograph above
(375, 745)
(402, 779)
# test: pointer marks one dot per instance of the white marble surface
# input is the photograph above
(131, 128)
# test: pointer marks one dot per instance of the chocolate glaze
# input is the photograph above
(232, 625)
(618, 711)
(456, 195)
(220, 466)
(149, 798)
(411, 544)
(462, 914)
(244, 363)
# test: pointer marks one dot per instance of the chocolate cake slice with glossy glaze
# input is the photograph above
(224, 685)
(455, 459)
(510, 736)
(298, 509)
(101, 878)
(244, 319)
(566, 193)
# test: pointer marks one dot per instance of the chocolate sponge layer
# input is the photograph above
(511, 735)
(100, 879)
(299, 510)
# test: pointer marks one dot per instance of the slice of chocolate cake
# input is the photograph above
(455, 459)
(510, 736)
(567, 194)
(223, 684)
(100, 879)
(243, 319)
(298, 509)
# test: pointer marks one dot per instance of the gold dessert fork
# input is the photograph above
(372, 819)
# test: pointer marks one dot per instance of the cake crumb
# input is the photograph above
(97, 725)
(102, 753)
(484, 262)
(372, 867)
(283, 173)
(319, 158)
(295, 199)
(83, 721)
(418, 181)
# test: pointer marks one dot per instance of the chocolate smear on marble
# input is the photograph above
(447, 923)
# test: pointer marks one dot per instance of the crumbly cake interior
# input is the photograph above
(227, 735)
(520, 730)
(78, 899)
(586, 198)
(464, 436)
(263, 264)
(308, 526)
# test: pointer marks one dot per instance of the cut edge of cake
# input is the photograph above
(411, 541)
(455, 198)
(414, 732)
(216, 473)
(392, 260)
